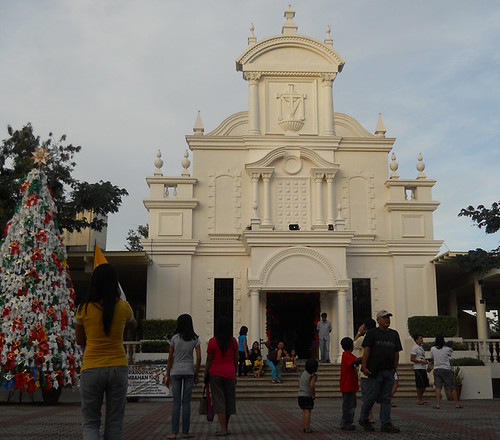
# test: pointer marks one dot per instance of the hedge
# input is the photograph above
(154, 347)
(158, 328)
(431, 326)
(457, 346)
(466, 362)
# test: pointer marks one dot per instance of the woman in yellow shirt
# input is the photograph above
(100, 321)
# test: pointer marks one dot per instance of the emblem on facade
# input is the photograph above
(291, 115)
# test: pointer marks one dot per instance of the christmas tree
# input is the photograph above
(37, 299)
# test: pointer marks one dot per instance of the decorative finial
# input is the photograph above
(289, 28)
(394, 167)
(158, 164)
(328, 39)
(40, 155)
(198, 126)
(380, 130)
(185, 164)
(251, 39)
(420, 167)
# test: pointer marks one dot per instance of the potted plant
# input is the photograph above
(458, 378)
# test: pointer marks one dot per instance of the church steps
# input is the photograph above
(327, 384)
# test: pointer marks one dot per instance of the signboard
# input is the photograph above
(147, 381)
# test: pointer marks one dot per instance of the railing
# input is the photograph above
(488, 350)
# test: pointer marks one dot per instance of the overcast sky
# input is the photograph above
(126, 78)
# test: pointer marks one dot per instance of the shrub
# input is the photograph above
(431, 326)
(457, 346)
(158, 328)
(154, 347)
(466, 362)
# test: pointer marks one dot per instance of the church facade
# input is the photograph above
(291, 209)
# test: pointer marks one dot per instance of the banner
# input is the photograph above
(147, 381)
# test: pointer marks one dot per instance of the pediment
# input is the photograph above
(303, 153)
(234, 125)
(347, 126)
(290, 54)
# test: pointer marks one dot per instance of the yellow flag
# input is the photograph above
(99, 257)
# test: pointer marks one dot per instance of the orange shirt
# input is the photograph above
(102, 350)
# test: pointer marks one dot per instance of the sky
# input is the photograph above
(124, 78)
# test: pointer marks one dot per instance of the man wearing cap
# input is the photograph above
(381, 348)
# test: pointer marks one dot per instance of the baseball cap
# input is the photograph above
(383, 313)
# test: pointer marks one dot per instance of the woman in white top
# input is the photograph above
(443, 375)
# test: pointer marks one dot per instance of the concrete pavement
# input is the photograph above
(279, 419)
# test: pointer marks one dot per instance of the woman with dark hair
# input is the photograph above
(182, 373)
(99, 324)
(443, 375)
(243, 351)
(221, 366)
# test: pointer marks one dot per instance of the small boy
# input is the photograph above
(307, 392)
(258, 366)
(348, 384)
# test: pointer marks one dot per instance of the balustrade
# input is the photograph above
(488, 350)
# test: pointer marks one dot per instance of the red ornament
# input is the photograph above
(32, 200)
(42, 235)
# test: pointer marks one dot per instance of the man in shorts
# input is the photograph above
(419, 367)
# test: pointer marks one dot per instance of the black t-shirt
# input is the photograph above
(383, 345)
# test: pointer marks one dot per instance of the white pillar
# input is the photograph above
(481, 321)
(342, 314)
(331, 198)
(253, 102)
(254, 316)
(266, 177)
(318, 177)
(328, 123)
(255, 184)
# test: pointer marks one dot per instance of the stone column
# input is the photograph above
(331, 198)
(255, 176)
(327, 89)
(319, 223)
(253, 102)
(342, 314)
(266, 177)
(254, 316)
(481, 321)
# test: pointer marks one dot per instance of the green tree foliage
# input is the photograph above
(70, 195)
(479, 260)
(134, 238)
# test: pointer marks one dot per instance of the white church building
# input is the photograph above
(291, 209)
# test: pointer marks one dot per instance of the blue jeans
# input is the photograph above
(324, 347)
(348, 408)
(275, 371)
(94, 383)
(378, 388)
(182, 387)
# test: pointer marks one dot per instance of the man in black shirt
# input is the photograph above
(380, 361)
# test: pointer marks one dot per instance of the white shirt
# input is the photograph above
(419, 353)
(441, 357)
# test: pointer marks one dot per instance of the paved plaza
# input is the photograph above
(274, 419)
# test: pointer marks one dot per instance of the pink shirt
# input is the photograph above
(222, 365)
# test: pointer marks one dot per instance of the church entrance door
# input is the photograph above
(291, 317)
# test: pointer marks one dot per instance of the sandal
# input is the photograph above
(221, 433)
(309, 431)
(459, 407)
(436, 407)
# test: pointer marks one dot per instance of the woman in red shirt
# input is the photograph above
(221, 366)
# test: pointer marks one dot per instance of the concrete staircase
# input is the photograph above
(327, 385)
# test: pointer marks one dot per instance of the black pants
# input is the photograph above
(242, 368)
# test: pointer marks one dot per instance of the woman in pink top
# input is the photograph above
(221, 366)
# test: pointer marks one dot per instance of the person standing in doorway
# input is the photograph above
(324, 328)
(381, 348)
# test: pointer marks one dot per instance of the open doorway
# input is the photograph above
(291, 317)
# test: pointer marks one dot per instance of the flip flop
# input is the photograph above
(436, 407)
(459, 407)
(221, 433)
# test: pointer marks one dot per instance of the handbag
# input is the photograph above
(206, 407)
(203, 402)
(430, 366)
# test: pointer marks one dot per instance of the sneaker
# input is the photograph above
(348, 428)
(367, 426)
(279, 380)
(273, 381)
(389, 428)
